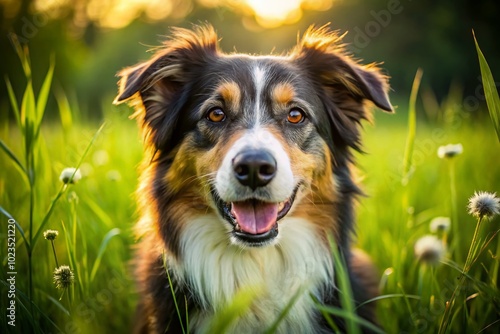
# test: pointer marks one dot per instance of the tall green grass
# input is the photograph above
(33, 196)
(94, 219)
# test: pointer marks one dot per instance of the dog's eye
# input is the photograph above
(216, 115)
(295, 116)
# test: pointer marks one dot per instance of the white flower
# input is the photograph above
(484, 204)
(440, 224)
(449, 151)
(429, 249)
(67, 173)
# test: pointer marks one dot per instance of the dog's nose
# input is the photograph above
(254, 168)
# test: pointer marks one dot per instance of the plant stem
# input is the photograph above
(468, 263)
(54, 250)
(30, 251)
(470, 255)
(454, 213)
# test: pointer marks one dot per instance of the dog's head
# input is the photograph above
(252, 137)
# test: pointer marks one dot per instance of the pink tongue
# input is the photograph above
(255, 217)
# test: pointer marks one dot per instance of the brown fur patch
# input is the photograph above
(320, 193)
(283, 93)
(208, 163)
(319, 198)
(230, 92)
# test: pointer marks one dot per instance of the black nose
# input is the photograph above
(254, 168)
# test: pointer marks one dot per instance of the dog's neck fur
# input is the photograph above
(274, 273)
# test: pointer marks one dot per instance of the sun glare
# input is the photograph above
(119, 13)
(275, 12)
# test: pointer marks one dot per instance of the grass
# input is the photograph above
(95, 216)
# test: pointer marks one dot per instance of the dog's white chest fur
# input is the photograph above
(216, 270)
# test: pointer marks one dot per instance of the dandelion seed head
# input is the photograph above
(63, 277)
(450, 150)
(50, 234)
(429, 249)
(484, 205)
(67, 173)
(440, 224)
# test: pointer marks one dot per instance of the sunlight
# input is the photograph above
(275, 12)
(119, 13)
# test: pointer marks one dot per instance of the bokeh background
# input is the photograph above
(91, 40)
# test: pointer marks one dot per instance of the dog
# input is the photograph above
(247, 182)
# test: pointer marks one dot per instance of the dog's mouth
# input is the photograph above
(255, 222)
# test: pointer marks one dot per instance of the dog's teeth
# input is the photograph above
(237, 228)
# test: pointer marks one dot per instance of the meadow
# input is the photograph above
(95, 216)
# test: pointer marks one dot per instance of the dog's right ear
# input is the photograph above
(155, 87)
(183, 51)
(132, 80)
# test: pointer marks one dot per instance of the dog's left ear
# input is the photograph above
(321, 53)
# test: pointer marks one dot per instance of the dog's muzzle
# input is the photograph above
(254, 221)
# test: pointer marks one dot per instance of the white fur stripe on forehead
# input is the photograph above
(259, 78)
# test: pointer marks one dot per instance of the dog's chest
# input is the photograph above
(217, 271)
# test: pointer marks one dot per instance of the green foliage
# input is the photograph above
(412, 126)
(388, 231)
(34, 304)
(490, 90)
(345, 291)
(241, 303)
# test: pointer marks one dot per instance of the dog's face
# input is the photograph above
(251, 137)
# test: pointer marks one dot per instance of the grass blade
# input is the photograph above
(350, 317)
(288, 307)
(23, 55)
(104, 244)
(172, 290)
(412, 127)
(490, 90)
(56, 302)
(13, 103)
(390, 296)
(43, 95)
(48, 214)
(64, 109)
(18, 226)
(240, 304)
(28, 121)
(345, 291)
(72, 259)
(13, 157)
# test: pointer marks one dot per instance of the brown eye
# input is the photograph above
(295, 116)
(216, 115)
